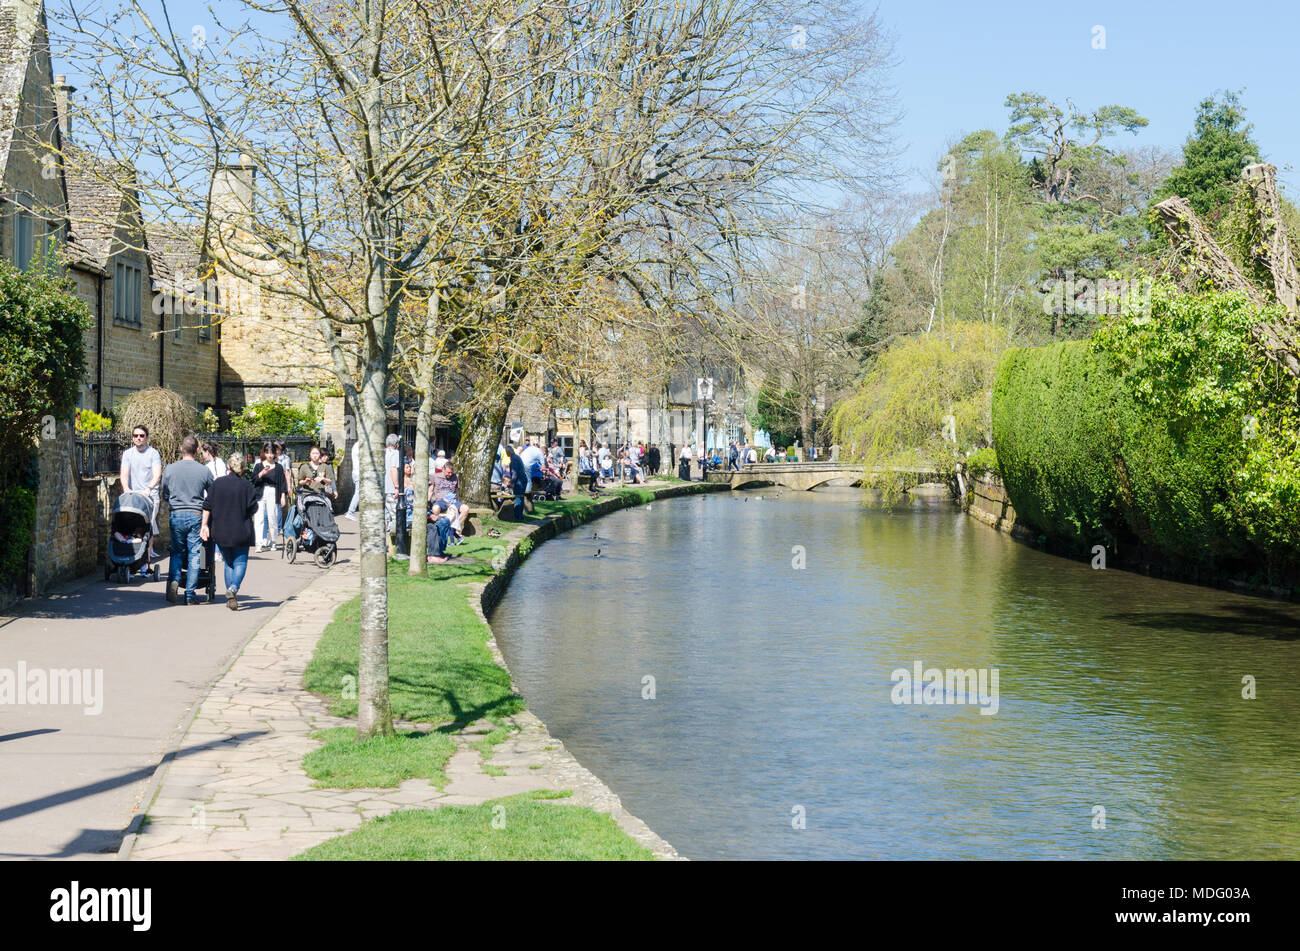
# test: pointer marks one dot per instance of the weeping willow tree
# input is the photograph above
(924, 404)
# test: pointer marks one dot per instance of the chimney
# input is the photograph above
(232, 190)
(62, 93)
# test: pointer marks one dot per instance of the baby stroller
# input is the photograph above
(130, 530)
(311, 527)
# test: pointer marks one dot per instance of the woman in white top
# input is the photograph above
(212, 459)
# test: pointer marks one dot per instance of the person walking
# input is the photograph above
(269, 480)
(518, 481)
(213, 461)
(142, 472)
(184, 485)
(228, 523)
(684, 464)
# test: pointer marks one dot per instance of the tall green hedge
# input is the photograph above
(1054, 431)
(1166, 430)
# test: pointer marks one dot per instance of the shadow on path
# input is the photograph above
(103, 840)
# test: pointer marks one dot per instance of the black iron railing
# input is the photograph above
(99, 454)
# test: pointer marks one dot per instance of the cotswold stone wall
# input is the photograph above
(271, 345)
(70, 537)
(987, 501)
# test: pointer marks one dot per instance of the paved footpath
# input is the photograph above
(237, 790)
(71, 781)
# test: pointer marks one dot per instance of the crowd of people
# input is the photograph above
(631, 462)
(227, 506)
(251, 515)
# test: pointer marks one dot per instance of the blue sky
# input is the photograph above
(959, 59)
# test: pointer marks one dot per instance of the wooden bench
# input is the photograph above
(503, 507)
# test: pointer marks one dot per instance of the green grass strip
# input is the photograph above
(518, 828)
(385, 761)
(440, 670)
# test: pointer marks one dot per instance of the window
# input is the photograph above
(208, 308)
(24, 235)
(127, 279)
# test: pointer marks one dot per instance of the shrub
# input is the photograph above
(42, 357)
(88, 421)
(167, 415)
(276, 416)
(1169, 430)
(18, 502)
(982, 461)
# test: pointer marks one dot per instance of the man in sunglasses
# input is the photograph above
(142, 472)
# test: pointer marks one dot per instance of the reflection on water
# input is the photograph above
(772, 687)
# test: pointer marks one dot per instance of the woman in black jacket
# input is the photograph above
(269, 481)
(228, 521)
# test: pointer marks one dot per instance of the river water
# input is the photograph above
(1120, 730)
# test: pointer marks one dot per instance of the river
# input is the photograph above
(731, 666)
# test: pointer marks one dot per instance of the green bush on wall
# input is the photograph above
(278, 416)
(1169, 430)
(18, 502)
(42, 357)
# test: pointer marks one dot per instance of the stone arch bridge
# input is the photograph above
(809, 475)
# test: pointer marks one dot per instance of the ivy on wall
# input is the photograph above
(42, 357)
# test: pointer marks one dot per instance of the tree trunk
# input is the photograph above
(479, 439)
(423, 429)
(374, 715)
(1273, 250)
(805, 422)
(1190, 236)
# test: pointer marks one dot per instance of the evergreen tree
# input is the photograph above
(1219, 147)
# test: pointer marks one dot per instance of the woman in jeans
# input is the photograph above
(271, 486)
(228, 522)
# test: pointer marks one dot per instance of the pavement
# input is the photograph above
(72, 779)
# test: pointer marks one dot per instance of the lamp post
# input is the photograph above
(705, 386)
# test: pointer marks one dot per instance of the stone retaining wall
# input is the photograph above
(70, 537)
(986, 500)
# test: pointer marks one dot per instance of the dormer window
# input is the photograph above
(127, 279)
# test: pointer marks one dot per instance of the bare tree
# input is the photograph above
(341, 116)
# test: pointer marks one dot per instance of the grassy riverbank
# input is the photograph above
(511, 829)
(442, 674)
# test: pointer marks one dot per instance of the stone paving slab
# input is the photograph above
(251, 799)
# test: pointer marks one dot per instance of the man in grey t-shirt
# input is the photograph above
(142, 472)
(184, 485)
